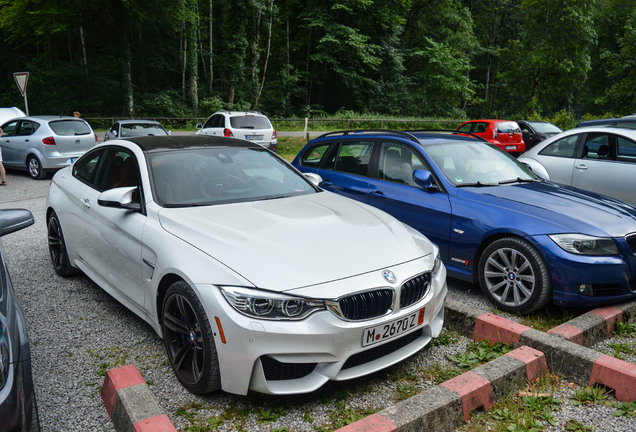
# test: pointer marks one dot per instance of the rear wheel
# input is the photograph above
(34, 167)
(514, 276)
(57, 248)
(189, 340)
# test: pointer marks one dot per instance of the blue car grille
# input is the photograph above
(366, 305)
(631, 242)
(415, 289)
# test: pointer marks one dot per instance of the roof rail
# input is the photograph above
(363, 131)
(450, 131)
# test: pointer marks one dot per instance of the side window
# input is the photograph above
(597, 146)
(480, 127)
(10, 128)
(626, 150)
(28, 128)
(314, 156)
(397, 163)
(208, 122)
(115, 129)
(86, 168)
(353, 157)
(119, 169)
(466, 128)
(564, 147)
(218, 121)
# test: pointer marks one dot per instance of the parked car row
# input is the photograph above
(365, 227)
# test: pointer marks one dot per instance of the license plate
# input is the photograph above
(514, 147)
(253, 137)
(391, 329)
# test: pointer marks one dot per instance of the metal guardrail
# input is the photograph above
(295, 123)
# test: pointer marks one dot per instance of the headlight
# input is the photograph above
(437, 265)
(266, 305)
(585, 245)
(4, 353)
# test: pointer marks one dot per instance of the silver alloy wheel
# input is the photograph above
(34, 167)
(509, 277)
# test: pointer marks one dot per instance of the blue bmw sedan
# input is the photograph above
(526, 241)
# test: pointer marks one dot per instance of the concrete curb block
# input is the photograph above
(447, 406)
(565, 345)
(130, 403)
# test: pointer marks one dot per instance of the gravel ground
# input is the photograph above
(77, 332)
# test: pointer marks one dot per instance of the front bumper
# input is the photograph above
(604, 279)
(290, 357)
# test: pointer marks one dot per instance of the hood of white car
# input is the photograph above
(295, 242)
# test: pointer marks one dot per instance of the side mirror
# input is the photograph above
(424, 179)
(13, 220)
(525, 131)
(199, 126)
(122, 198)
(115, 133)
(315, 179)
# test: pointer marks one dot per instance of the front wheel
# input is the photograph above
(189, 340)
(34, 167)
(514, 276)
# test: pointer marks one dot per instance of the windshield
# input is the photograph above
(477, 164)
(207, 176)
(250, 122)
(508, 127)
(141, 129)
(545, 127)
(69, 127)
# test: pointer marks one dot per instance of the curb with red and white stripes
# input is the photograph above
(445, 407)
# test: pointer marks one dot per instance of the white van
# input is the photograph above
(7, 114)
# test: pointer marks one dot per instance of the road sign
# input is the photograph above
(21, 79)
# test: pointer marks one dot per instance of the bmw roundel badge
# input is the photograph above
(388, 276)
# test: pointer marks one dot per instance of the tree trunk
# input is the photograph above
(269, 43)
(211, 46)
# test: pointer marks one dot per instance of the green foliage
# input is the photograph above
(415, 58)
(625, 409)
(478, 353)
(589, 395)
(625, 329)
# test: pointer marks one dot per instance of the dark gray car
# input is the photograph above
(18, 409)
(41, 144)
(533, 132)
(132, 128)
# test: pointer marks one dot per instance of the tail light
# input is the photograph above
(48, 141)
(96, 140)
(495, 134)
(228, 133)
(274, 134)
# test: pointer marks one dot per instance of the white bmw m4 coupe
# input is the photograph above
(255, 278)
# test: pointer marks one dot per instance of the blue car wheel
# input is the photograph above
(514, 276)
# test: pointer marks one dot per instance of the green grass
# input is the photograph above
(288, 147)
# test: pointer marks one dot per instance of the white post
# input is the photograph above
(306, 133)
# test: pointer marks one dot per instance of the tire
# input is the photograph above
(57, 247)
(514, 276)
(189, 340)
(34, 167)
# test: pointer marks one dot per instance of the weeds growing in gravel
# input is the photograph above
(478, 353)
(589, 396)
(625, 329)
(625, 409)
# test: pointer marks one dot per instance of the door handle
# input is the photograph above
(86, 203)
(379, 194)
(327, 183)
(581, 166)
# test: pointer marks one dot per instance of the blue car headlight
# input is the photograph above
(582, 244)
(268, 305)
(5, 351)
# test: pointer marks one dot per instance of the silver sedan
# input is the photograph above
(599, 159)
(255, 278)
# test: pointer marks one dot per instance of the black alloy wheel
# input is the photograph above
(189, 340)
(57, 248)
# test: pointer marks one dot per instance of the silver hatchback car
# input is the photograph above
(40, 144)
(600, 159)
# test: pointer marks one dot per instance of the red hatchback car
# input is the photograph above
(505, 134)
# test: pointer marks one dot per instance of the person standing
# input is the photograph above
(3, 173)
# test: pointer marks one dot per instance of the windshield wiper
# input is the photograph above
(476, 184)
(518, 180)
